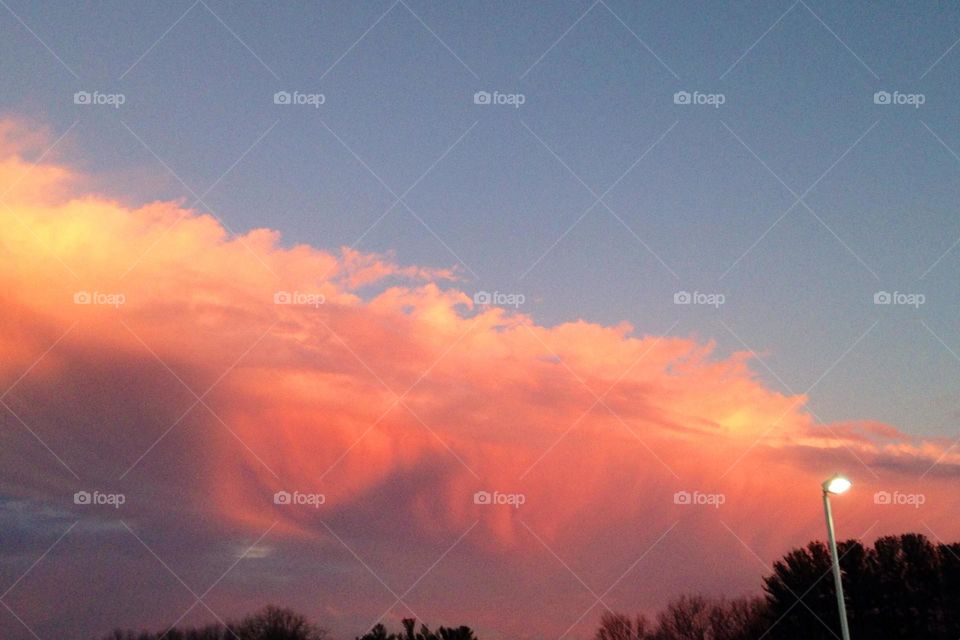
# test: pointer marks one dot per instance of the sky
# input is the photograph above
(381, 256)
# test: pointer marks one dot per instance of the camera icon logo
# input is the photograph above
(681, 97)
(82, 97)
(682, 297)
(682, 497)
(482, 297)
(282, 97)
(82, 497)
(882, 297)
(482, 497)
(282, 297)
(482, 97)
(82, 297)
(282, 497)
(882, 497)
(881, 97)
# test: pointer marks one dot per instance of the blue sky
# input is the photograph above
(694, 197)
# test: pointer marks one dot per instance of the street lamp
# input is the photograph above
(836, 485)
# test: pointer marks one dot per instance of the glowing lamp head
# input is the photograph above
(837, 484)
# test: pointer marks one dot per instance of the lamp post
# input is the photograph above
(836, 485)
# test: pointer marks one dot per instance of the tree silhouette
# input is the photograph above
(275, 623)
(617, 626)
(800, 593)
(740, 619)
(410, 633)
(687, 618)
(270, 623)
(902, 588)
(691, 618)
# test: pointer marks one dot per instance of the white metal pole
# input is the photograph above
(841, 605)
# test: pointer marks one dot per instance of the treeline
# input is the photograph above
(410, 633)
(271, 623)
(276, 623)
(902, 588)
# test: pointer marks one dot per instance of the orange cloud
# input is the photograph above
(386, 389)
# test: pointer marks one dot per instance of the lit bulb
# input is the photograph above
(837, 484)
